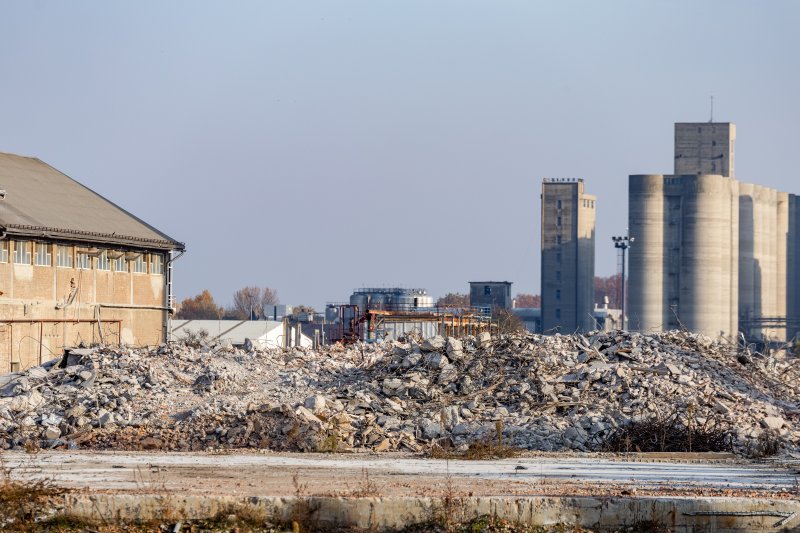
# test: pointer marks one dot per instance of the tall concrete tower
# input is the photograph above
(568, 228)
(712, 254)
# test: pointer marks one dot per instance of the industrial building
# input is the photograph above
(712, 254)
(490, 294)
(568, 234)
(75, 268)
(375, 314)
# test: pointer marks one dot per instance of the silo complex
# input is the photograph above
(711, 254)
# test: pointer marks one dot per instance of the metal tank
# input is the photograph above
(360, 299)
(424, 301)
(404, 301)
(331, 314)
(377, 300)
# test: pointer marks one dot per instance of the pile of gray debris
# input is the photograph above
(549, 393)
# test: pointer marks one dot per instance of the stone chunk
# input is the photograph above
(772, 422)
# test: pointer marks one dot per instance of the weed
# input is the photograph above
(302, 520)
(366, 488)
(766, 445)
(489, 448)
(23, 502)
(240, 516)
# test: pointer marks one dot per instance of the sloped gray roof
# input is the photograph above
(42, 202)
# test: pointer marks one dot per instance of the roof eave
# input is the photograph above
(34, 232)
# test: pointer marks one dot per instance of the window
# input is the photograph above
(83, 261)
(487, 290)
(4, 251)
(64, 256)
(102, 261)
(558, 313)
(558, 294)
(558, 204)
(43, 256)
(119, 264)
(156, 264)
(558, 239)
(139, 266)
(22, 252)
(558, 275)
(558, 221)
(558, 257)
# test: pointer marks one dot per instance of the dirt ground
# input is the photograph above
(397, 474)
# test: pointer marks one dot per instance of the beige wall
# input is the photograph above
(33, 330)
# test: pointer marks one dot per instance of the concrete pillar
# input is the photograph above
(646, 256)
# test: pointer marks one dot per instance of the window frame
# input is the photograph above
(156, 264)
(83, 261)
(47, 256)
(103, 263)
(68, 256)
(140, 260)
(27, 253)
(4, 255)
(120, 261)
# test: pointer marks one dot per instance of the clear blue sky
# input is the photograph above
(316, 147)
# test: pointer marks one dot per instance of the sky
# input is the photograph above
(318, 147)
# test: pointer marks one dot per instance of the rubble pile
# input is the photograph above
(549, 393)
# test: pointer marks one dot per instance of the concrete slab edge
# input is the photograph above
(725, 515)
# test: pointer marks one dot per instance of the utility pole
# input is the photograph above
(623, 243)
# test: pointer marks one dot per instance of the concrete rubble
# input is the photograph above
(549, 393)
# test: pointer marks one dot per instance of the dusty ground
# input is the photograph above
(399, 474)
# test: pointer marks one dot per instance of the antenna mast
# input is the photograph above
(710, 120)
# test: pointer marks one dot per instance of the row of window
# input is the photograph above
(67, 256)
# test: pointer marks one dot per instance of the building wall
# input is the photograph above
(497, 295)
(33, 329)
(705, 148)
(568, 231)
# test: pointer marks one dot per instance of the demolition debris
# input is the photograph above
(601, 391)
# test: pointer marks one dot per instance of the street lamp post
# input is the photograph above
(623, 243)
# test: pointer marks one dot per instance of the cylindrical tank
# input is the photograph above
(781, 234)
(733, 237)
(645, 295)
(360, 299)
(331, 313)
(705, 269)
(377, 300)
(424, 301)
(747, 210)
(404, 301)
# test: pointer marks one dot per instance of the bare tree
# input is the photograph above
(507, 322)
(249, 302)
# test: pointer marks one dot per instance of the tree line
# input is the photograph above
(248, 302)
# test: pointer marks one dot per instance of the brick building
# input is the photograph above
(74, 268)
